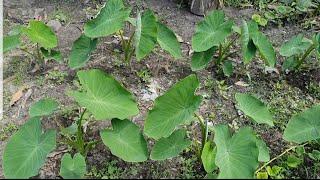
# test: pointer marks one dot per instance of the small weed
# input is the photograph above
(61, 16)
(7, 131)
(144, 75)
(111, 171)
(56, 76)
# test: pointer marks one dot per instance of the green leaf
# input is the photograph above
(73, 168)
(125, 141)
(200, 60)
(248, 47)
(43, 107)
(212, 31)
(254, 108)
(264, 155)
(110, 20)
(11, 42)
(81, 51)
(168, 41)
(304, 127)
(315, 155)
(27, 149)
(262, 175)
(227, 68)
(237, 155)
(260, 20)
(172, 109)
(171, 146)
(293, 161)
(208, 157)
(51, 54)
(265, 48)
(104, 97)
(274, 171)
(146, 34)
(70, 130)
(295, 46)
(40, 33)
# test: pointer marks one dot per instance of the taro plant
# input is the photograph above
(224, 153)
(41, 37)
(215, 36)
(147, 32)
(298, 49)
(238, 154)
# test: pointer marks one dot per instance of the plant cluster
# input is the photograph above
(40, 38)
(224, 152)
(148, 31)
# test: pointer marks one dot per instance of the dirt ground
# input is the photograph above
(286, 94)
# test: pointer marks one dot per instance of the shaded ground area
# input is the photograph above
(285, 94)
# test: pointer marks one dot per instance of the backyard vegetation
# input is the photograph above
(238, 111)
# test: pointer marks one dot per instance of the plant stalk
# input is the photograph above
(223, 51)
(306, 54)
(204, 130)
(277, 157)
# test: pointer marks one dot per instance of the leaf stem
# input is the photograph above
(204, 130)
(306, 54)
(223, 51)
(280, 155)
(79, 138)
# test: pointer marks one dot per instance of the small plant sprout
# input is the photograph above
(40, 37)
(297, 50)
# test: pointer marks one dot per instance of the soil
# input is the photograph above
(286, 94)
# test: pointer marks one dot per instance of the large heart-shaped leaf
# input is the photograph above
(254, 108)
(27, 149)
(40, 33)
(125, 141)
(200, 60)
(43, 107)
(296, 45)
(304, 126)
(11, 42)
(168, 41)
(248, 47)
(73, 168)
(110, 19)
(208, 157)
(173, 108)
(171, 146)
(81, 51)
(237, 155)
(145, 34)
(211, 31)
(265, 48)
(104, 97)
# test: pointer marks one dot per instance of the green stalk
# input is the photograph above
(39, 55)
(277, 157)
(306, 54)
(79, 138)
(222, 51)
(204, 131)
